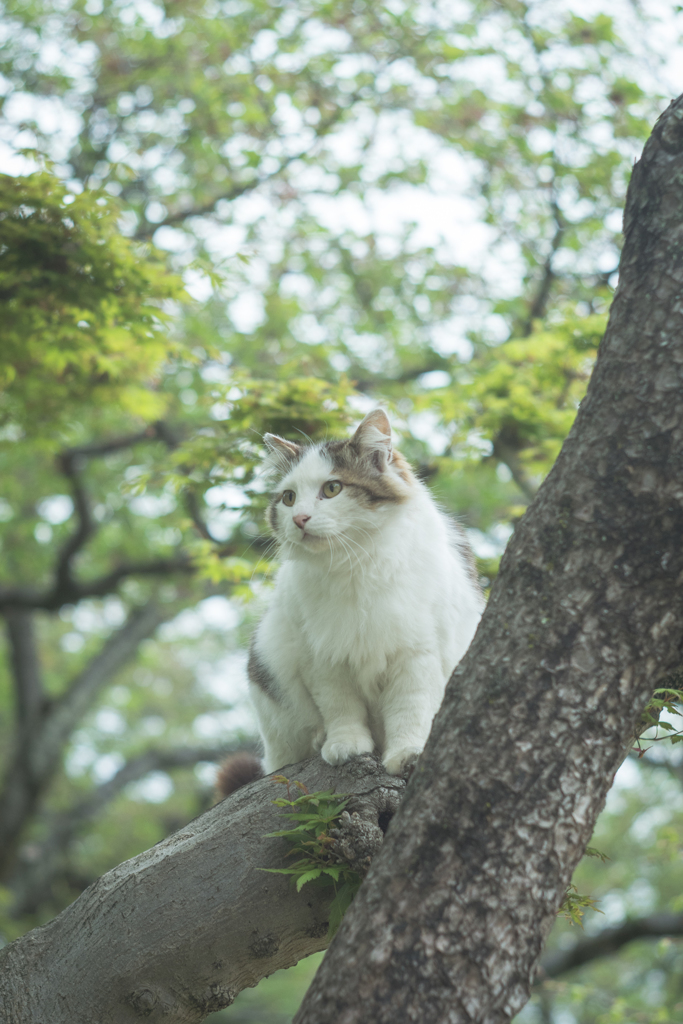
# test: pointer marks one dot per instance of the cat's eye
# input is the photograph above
(331, 488)
(288, 498)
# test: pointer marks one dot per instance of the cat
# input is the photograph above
(375, 602)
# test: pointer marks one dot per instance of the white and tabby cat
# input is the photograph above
(375, 603)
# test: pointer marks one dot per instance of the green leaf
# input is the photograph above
(307, 876)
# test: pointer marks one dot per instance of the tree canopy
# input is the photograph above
(226, 218)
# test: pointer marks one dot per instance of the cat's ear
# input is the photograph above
(374, 436)
(281, 454)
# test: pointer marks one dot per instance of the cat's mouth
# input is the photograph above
(307, 537)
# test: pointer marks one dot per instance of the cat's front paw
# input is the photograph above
(396, 761)
(338, 752)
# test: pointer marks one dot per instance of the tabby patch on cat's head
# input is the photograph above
(330, 488)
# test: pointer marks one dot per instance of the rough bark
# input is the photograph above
(178, 931)
(585, 617)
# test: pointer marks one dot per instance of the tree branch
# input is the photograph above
(71, 463)
(199, 902)
(376, 382)
(107, 445)
(608, 941)
(229, 195)
(77, 590)
(167, 435)
(25, 669)
(540, 301)
(180, 216)
(38, 752)
(33, 880)
(66, 589)
(79, 697)
(506, 451)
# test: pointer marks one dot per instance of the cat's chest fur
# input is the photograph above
(359, 618)
(398, 597)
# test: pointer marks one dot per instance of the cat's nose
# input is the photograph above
(301, 520)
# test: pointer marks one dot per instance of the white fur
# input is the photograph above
(372, 610)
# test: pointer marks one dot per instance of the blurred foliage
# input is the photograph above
(640, 830)
(82, 306)
(266, 216)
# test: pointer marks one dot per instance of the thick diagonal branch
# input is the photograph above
(177, 932)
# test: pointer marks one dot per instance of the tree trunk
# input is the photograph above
(178, 931)
(585, 618)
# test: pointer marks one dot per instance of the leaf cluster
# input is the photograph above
(311, 842)
(82, 306)
(663, 699)
(574, 904)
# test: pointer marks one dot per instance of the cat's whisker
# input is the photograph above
(339, 539)
(369, 557)
(351, 552)
(265, 554)
(304, 434)
(349, 545)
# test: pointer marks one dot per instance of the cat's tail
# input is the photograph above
(236, 771)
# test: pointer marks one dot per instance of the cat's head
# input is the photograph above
(339, 492)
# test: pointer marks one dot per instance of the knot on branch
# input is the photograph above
(360, 830)
(355, 841)
(147, 999)
(214, 997)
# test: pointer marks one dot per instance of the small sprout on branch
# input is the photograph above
(316, 815)
(663, 699)
(575, 904)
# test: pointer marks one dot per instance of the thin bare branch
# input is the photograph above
(104, 446)
(38, 752)
(229, 195)
(25, 668)
(73, 591)
(65, 588)
(34, 877)
(71, 465)
(608, 941)
(201, 210)
(540, 301)
(506, 451)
